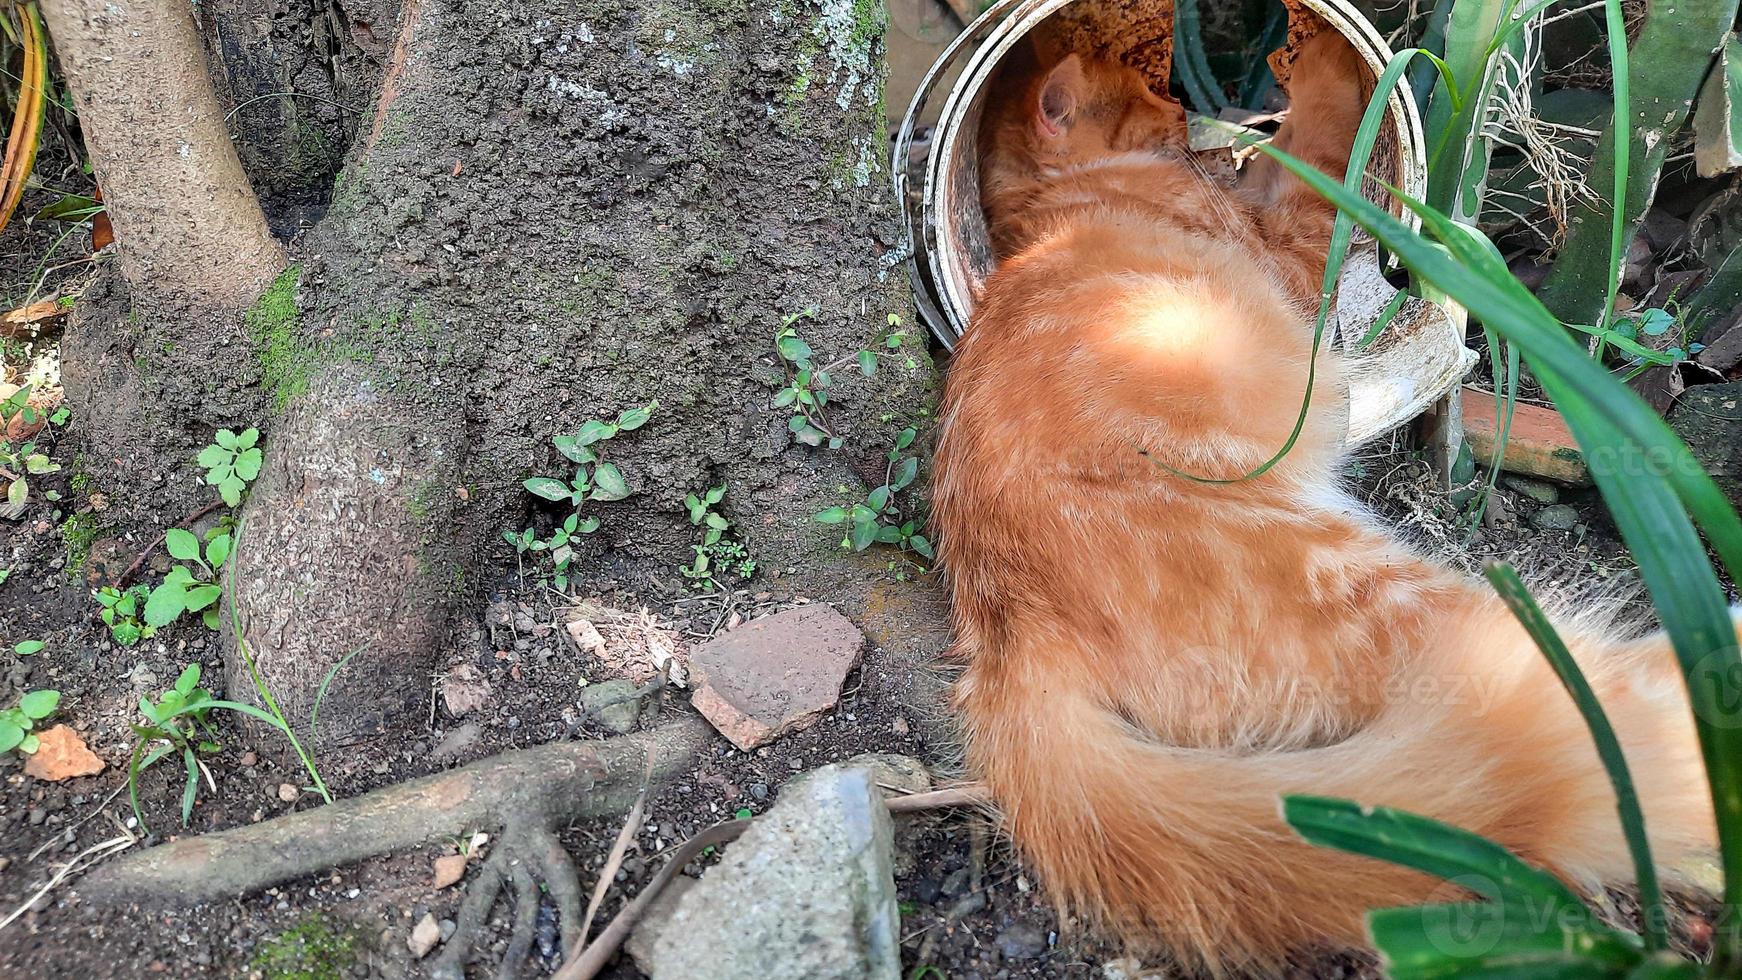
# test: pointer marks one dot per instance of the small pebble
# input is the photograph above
(1559, 517)
(287, 792)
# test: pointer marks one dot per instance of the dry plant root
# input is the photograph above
(522, 794)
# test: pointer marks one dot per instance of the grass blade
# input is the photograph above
(1518, 599)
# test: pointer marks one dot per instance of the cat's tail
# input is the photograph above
(1185, 849)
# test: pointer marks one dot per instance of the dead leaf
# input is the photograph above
(62, 755)
(39, 315)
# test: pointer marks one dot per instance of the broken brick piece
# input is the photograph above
(776, 674)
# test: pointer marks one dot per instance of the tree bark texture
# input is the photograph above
(186, 221)
(559, 210)
(296, 78)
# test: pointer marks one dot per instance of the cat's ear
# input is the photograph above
(1060, 95)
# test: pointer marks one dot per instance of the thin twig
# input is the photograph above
(86, 819)
(587, 963)
(196, 515)
(113, 845)
(973, 794)
(631, 827)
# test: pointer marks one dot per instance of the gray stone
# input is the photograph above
(1540, 491)
(456, 742)
(776, 674)
(808, 893)
(654, 920)
(1021, 941)
(1560, 517)
(614, 705)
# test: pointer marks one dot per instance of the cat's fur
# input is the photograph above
(1152, 661)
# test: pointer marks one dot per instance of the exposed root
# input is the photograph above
(527, 791)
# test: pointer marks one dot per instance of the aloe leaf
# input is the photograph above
(1669, 60)
(1518, 599)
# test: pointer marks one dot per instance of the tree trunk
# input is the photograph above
(557, 211)
(295, 78)
(187, 223)
(153, 365)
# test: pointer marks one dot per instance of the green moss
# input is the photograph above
(272, 323)
(310, 950)
(78, 532)
(423, 499)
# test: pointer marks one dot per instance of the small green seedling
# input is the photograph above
(807, 391)
(120, 613)
(20, 460)
(717, 553)
(29, 648)
(180, 722)
(17, 724)
(879, 518)
(232, 462)
(594, 479)
(185, 588)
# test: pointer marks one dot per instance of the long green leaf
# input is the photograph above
(1620, 134)
(1518, 599)
(1636, 460)
(1469, 940)
(1458, 150)
(193, 784)
(1468, 860)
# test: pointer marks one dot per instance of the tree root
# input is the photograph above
(524, 858)
(525, 792)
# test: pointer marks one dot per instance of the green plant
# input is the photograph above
(879, 518)
(17, 723)
(185, 588)
(593, 479)
(121, 610)
(232, 462)
(718, 553)
(807, 391)
(20, 461)
(1657, 508)
(28, 648)
(178, 722)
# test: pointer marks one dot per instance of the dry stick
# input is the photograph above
(590, 960)
(631, 826)
(564, 780)
(196, 515)
(973, 794)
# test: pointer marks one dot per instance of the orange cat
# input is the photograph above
(1152, 661)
